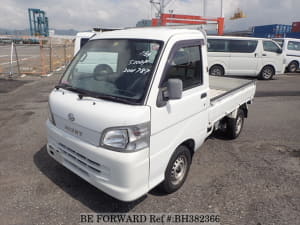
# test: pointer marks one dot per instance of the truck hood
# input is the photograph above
(86, 118)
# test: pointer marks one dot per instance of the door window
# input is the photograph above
(294, 45)
(185, 65)
(270, 46)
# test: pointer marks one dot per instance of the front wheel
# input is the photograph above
(177, 170)
(293, 67)
(267, 73)
(216, 70)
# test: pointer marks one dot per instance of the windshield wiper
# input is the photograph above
(82, 93)
(69, 87)
(115, 99)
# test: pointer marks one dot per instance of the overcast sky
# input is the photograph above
(85, 14)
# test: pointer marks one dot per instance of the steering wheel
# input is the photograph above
(101, 72)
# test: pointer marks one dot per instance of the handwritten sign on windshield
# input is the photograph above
(142, 71)
(138, 66)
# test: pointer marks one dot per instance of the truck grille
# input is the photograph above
(82, 163)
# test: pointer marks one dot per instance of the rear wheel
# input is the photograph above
(235, 125)
(267, 73)
(177, 169)
(216, 70)
(293, 67)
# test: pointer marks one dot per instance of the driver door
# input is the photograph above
(185, 118)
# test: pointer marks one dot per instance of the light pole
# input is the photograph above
(160, 6)
(222, 9)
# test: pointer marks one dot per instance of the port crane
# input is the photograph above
(164, 19)
(38, 22)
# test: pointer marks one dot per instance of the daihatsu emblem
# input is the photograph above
(71, 117)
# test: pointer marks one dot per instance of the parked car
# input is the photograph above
(291, 52)
(127, 129)
(244, 57)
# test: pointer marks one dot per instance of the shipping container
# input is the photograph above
(271, 31)
(296, 27)
(293, 35)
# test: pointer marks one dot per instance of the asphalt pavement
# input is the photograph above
(253, 180)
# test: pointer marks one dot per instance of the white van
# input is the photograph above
(244, 56)
(81, 39)
(133, 119)
(291, 52)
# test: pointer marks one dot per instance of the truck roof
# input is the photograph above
(288, 39)
(157, 33)
(85, 34)
(237, 38)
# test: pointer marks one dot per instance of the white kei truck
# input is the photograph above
(134, 105)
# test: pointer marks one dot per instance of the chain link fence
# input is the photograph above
(37, 59)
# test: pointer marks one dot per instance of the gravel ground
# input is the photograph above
(253, 180)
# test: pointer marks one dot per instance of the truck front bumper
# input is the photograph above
(124, 176)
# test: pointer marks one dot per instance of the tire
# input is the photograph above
(267, 73)
(216, 70)
(293, 67)
(177, 170)
(235, 126)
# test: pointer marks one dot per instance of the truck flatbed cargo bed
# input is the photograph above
(226, 94)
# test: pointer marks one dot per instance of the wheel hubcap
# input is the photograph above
(179, 169)
(293, 68)
(216, 72)
(267, 73)
(239, 123)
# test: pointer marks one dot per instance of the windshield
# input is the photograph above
(120, 69)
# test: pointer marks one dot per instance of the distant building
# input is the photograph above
(51, 33)
(144, 23)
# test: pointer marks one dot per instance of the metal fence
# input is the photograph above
(40, 59)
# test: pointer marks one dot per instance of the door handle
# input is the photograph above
(203, 95)
(264, 54)
(255, 54)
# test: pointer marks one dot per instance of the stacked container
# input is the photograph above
(271, 31)
(296, 27)
(293, 35)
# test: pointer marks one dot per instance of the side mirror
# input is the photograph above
(174, 88)
(279, 51)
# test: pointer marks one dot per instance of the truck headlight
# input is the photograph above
(131, 138)
(50, 115)
(116, 138)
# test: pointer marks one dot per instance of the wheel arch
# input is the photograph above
(190, 144)
(245, 110)
(294, 61)
(271, 65)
